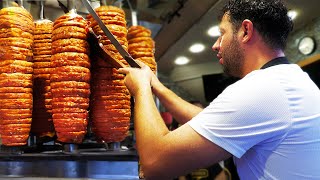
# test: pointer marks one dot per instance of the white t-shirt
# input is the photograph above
(270, 121)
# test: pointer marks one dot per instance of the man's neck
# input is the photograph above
(258, 57)
(276, 61)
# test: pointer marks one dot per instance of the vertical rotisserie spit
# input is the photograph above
(16, 68)
(42, 125)
(110, 100)
(142, 46)
(70, 79)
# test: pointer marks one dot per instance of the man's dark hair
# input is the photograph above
(269, 17)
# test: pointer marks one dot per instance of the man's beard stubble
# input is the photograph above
(233, 59)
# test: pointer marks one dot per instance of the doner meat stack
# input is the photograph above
(16, 68)
(142, 46)
(70, 77)
(110, 102)
(42, 124)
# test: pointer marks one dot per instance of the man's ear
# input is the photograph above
(247, 30)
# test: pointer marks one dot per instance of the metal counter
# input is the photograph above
(93, 163)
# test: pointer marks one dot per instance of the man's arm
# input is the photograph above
(180, 109)
(165, 153)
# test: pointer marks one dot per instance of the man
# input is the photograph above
(269, 121)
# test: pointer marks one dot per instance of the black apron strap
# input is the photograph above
(276, 61)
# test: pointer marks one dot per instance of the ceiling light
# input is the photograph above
(196, 48)
(292, 14)
(214, 31)
(181, 60)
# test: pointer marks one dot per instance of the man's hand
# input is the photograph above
(138, 80)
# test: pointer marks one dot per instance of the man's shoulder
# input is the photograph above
(272, 74)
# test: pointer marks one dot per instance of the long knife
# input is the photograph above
(102, 52)
(110, 36)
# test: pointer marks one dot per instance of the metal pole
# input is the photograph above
(41, 9)
(103, 2)
(20, 2)
(71, 5)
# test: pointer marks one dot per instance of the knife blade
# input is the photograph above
(110, 36)
(102, 52)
